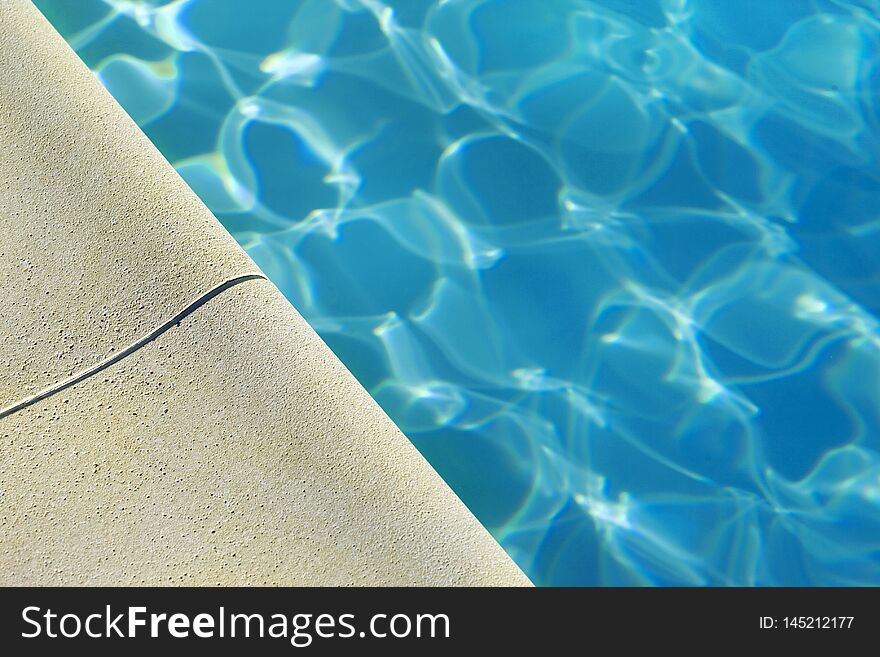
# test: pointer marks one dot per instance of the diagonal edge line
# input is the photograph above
(134, 346)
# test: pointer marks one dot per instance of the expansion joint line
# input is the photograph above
(130, 349)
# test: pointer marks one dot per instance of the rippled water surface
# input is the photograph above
(613, 266)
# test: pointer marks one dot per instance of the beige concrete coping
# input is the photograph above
(99, 240)
(166, 416)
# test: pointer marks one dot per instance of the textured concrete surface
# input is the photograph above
(99, 241)
(233, 447)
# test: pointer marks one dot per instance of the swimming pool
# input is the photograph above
(612, 266)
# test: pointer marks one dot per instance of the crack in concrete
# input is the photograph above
(134, 346)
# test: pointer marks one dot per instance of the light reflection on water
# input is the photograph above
(614, 267)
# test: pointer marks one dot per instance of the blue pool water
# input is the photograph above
(613, 266)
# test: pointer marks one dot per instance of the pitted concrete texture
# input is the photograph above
(229, 447)
(233, 449)
(99, 239)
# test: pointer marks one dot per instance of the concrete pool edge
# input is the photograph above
(284, 470)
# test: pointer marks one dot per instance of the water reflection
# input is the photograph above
(612, 266)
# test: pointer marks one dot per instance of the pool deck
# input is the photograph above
(167, 416)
